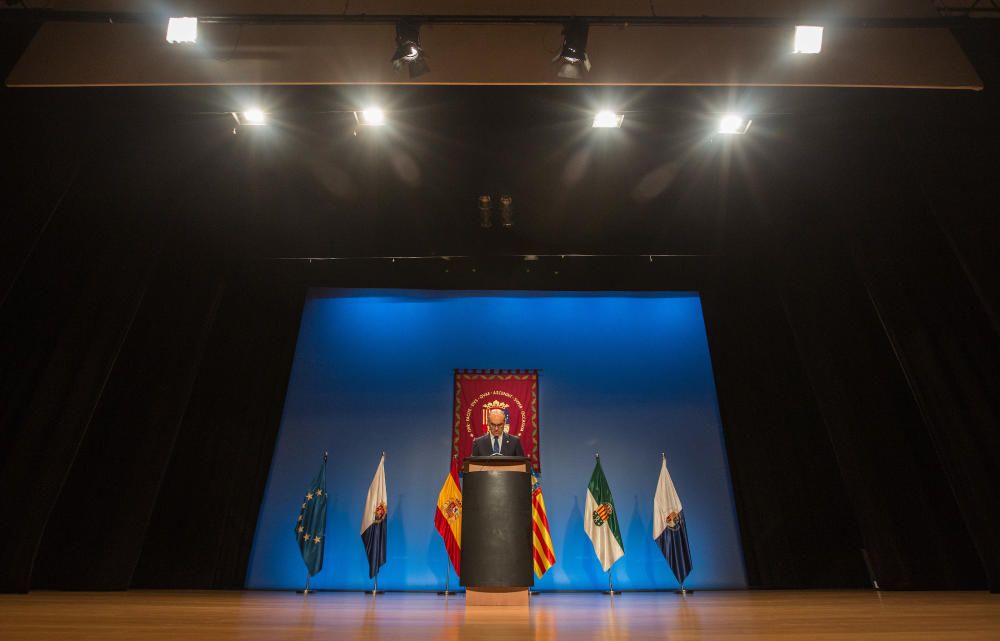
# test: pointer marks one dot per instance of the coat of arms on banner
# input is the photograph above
(478, 391)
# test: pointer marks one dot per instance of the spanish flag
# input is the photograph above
(448, 517)
(545, 558)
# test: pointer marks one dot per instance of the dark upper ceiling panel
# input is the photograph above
(892, 43)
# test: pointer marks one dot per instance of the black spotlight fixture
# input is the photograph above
(408, 49)
(573, 60)
(485, 213)
(506, 211)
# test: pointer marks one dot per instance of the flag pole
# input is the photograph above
(683, 591)
(307, 591)
(447, 576)
(375, 588)
(611, 587)
(447, 561)
(326, 455)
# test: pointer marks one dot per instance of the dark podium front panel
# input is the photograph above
(496, 530)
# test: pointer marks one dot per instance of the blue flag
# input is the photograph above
(669, 528)
(310, 529)
(373, 523)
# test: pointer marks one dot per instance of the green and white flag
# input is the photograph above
(600, 520)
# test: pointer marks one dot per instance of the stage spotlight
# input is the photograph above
(506, 211)
(733, 124)
(608, 119)
(181, 30)
(485, 213)
(572, 58)
(808, 39)
(253, 117)
(408, 49)
(370, 117)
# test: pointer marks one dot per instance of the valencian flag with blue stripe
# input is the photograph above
(669, 529)
(310, 529)
(373, 520)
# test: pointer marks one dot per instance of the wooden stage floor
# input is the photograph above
(277, 616)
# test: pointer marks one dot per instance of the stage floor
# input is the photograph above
(275, 616)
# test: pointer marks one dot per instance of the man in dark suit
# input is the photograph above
(496, 441)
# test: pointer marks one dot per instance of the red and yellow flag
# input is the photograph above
(545, 557)
(448, 517)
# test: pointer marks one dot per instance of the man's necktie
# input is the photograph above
(496, 445)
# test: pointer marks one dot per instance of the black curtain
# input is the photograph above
(202, 526)
(798, 528)
(851, 248)
(116, 370)
(73, 298)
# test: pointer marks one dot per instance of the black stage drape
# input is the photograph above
(144, 365)
(846, 255)
(893, 350)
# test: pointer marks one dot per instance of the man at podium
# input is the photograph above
(496, 441)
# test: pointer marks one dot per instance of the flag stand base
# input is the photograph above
(375, 591)
(447, 584)
(306, 591)
(611, 591)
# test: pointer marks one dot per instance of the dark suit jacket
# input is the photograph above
(509, 445)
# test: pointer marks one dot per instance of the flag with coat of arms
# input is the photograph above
(600, 520)
(373, 519)
(669, 528)
(448, 516)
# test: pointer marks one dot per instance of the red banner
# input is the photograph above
(513, 391)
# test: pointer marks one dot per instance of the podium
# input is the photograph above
(497, 549)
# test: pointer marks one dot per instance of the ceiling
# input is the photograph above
(888, 43)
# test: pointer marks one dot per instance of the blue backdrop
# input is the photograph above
(626, 374)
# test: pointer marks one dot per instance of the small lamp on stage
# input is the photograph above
(182, 30)
(606, 119)
(572, 58)
(370, 117)
(808, 39)
(409, 53)
(367, 118)
(252, 117)
(485, 212)
(506, 211)
(733, 124)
